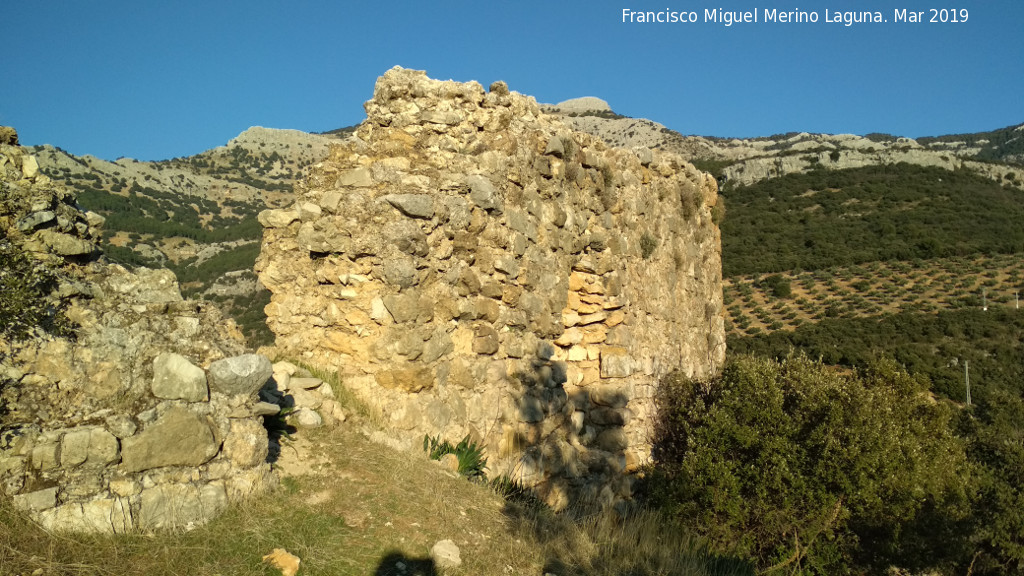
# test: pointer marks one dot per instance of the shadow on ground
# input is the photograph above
(398, 564)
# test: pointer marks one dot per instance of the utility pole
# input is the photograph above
(1016, 300)
(967, 379)
(984, 299)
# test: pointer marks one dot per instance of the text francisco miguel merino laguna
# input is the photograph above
(773, 16)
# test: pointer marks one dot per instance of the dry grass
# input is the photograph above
(363, 509)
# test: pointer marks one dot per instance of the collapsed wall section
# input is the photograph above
(141, 413)
(473, 267)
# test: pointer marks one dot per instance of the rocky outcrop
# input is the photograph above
(470, 265)
(121, 423)
(584, 104)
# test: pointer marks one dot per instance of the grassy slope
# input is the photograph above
(354, 507)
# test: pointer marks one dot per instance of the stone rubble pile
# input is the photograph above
(470, 265)
(147, 417)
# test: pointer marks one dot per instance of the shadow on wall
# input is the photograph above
(574, 459)
(571, 446)
(397, 564)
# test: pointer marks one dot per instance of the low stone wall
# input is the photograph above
(146, 416)
(473, 267)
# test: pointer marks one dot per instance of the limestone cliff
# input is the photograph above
(470, 265)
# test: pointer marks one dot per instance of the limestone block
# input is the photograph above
(107, 516)
(355, 178)
(608, 417)
(175, 378)
(445, 555)
(265, 409)
(486, 309)
(531, 409)
(520, 222)
(125, 486)
(555, 147)
(408, 307)
(615, 318)
(332, 409)
(455, 211)
(616, 362)
(179, 505)
(591, 375)
(400, 272)
(440, 344)
(241, 375)
(595, 334)
(305, 383)
(593, 318)
(246, 444)
(29, 166)
(510, 294)
(632, 462)
(277, 218)
(483, 194)
(570, 319)
(412, 205)
(178, 438)
(379, 312)
(578, 417)
(507, 265)
(45, 454)
(35, 220)
(406, 379)
(330, 200)
(306, 399)
(306, 418)
(485, 339)
(610, 396)
(492, 290)
(612, 440)
(65, 244)
(36, 501)
(570, 337)
(620, 336)
(103, 447)
(577, 353)
(74, 447)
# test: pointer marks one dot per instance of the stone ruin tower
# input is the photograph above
(470, 265)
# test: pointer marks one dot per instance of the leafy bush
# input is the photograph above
(25, 301)
(802, 467)
(647, 245)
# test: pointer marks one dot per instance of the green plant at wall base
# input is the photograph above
(472, 462)
(647, 245)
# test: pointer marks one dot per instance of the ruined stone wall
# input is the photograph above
(472, 266)
(145, 415)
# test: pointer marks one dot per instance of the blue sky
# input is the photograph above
(154, 80)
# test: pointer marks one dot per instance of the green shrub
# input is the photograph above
(472, 462)
(648, 244)
(802, 467)
(25, 300)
